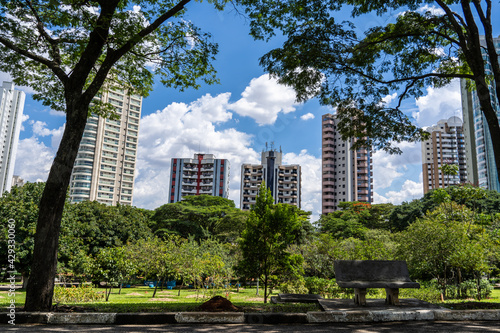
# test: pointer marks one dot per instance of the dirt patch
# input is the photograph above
(193, 296)
(218, 304)
(161, 300)
(472, 305)
(165, 292)
(135, 294)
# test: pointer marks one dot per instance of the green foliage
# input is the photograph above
(352, 70)
(81, 294)
(445, 242)
(200, 216)
(20, 204)
(431, 294)
(479, 200)
(269, 230)
(355, 218)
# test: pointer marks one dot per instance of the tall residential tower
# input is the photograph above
(284, 181)
(481, 166)
(105, 165)
(11, 112)
(444, 146)
(346, 174)
(203, 174)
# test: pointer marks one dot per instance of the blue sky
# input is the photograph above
(234, 120)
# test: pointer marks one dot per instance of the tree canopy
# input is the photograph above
(428, 43)
(200, 216)
(68, 52)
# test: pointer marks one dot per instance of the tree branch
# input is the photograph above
(113, 56)
(44, 61)
(41, 29)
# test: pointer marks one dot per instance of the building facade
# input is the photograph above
(105, 165)
(481, 164)
(11, 112)
(446, 145)
(284, 181)
(347, 175)
(202, 174)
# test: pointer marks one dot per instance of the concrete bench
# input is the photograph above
(363, 274)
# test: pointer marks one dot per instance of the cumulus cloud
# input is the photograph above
(387, 168)
(409, 191)
(311, 180)
(434, 10)
(33, 160)
(181, 130)
(307, 116)
(441, 103)
(264, 99)
(389, 98)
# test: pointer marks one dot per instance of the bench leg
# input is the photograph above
(360, 296)
(392, 296)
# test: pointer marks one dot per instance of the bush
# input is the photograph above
(429, 294)
(83, 293)
(296, 286)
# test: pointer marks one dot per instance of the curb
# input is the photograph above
(354, 316)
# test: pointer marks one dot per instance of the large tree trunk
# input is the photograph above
(40, 286)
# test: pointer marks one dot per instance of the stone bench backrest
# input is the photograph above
(371, 270)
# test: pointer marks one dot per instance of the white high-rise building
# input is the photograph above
(105, 165)
(445, 146)
(11, 112)
(284, 181)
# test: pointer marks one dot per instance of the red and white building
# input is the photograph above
(203, 174)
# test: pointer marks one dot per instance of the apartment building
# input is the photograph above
(446, 145)
(284, 181)
(11, 112)
(202, 174)
(104, 168)
(347, 175)
(481, 166)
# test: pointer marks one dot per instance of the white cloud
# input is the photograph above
(24, 119)
(311, 180)
(57, 113)
(409, 191)
(389, 98)
(307, 116)
(388, 168)
(181, 130)
(40, 129)
(441, 103)
(33, 160)
(434, 10)
(264, 99)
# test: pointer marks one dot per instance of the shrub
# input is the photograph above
(296, 286)
(429, 294)
(83, 293)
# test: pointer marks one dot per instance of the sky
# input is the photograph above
(233, 120)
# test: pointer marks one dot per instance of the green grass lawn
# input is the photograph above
(139, 299)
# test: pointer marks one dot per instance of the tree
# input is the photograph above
(449, 170)
(441, 242)
(200, 216)
(21, 205)
(269, 230)
(429, 43)
(67, 51)
(111, 266)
